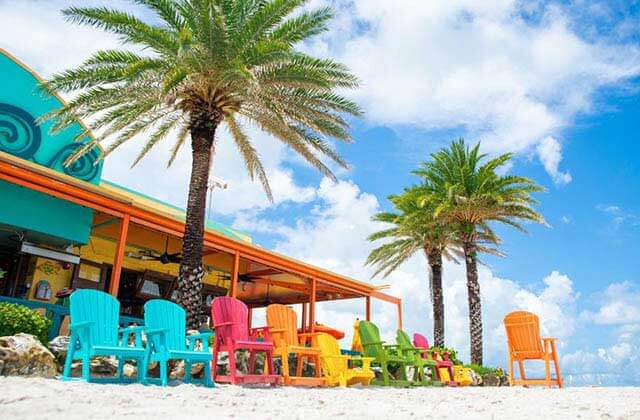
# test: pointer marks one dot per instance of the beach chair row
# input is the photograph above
(95, 332)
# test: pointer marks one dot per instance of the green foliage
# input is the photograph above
(485, 370)
(202, 63)
(453, 354)
(20, 319)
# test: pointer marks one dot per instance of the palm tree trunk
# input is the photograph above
(475, 308)
(434, 257)
(191, 271)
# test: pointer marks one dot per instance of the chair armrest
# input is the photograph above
(310, 334)
(337, 356)
(80, 325)
(372, 342)
(391, 346)
(253, 333)
(222, 324)
(549, 339)
(127, 331)
(277, 330)
(203, 337)
(157, 331)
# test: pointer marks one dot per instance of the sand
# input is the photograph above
(31, 398)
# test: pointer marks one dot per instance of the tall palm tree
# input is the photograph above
(414, 229)
(205, 63)
(463, 188)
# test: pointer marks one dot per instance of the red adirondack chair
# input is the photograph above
(231, 323)
(442, 362)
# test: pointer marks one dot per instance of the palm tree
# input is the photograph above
(414, 229)
(205, 63)
(465, 190)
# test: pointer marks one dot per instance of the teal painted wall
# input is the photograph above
(20, 105)
(61, 221)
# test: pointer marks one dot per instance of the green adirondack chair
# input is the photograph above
(414, 356)
(384, 355)
(95, 332)
(167, 340)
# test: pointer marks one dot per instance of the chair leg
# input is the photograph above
(214, 364)
(66, 373)
(207, 375)
(86, 367)
(522, 375)
(510, 377)
(120, 371)
(232, 366)
(268, 368)
(163, 372)
(318, 366)
(299, 363)
(143, 366)
(252, 362)
(187, 371)
(557, 369)
(285, 366)
(547, 371)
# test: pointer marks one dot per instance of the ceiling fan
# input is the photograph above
(151, 255)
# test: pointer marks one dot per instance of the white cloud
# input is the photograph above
(509, 81)
(619, 305)
(334, 235)
(550, 154)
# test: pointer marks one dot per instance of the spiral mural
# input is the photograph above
(21, 136)
(19, 133)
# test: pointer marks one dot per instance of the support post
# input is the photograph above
(367, 312)
(117, 259)
(312, 306)
(233, 291)
(249, 321)
(400, 315)
(304, 317)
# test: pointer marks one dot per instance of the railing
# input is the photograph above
(57, 313)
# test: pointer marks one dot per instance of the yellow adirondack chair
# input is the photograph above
(525, 343)
(335, 366)
(283, 330)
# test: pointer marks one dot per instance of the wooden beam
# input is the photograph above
(367, 311)
(312, 306)
(399, 315)
(304, 317)
(119, 256)
(234, 275)
(250, 317)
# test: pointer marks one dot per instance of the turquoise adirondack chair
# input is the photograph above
(166, 339)
(95, 332)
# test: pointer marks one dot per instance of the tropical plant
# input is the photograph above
(413, 229)
(204, 63)
(464, 188)
(16, 319)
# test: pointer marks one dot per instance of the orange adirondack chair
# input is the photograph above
(282, 324)
(525, 343)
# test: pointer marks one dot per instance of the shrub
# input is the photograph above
(485, 370)
(453, 354)
(20, 319)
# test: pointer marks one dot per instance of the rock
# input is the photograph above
(490, 379)
(100, 366)
(24, 355)
(476, 380)
(129, 370)
(58, 347)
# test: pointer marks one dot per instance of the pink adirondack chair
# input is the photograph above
(231, 323)
(442, 362)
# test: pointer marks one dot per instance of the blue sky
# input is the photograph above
(556, 83)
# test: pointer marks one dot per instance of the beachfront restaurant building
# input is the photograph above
(64, 227)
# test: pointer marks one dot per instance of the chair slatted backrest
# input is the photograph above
(228, 309)
(370, 336)
(329, 346)
(523, 332)
(283, 317)
(420, 341)
(160, 313)
(100, 308)
(403, 340)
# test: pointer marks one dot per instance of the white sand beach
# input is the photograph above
(51, 399)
